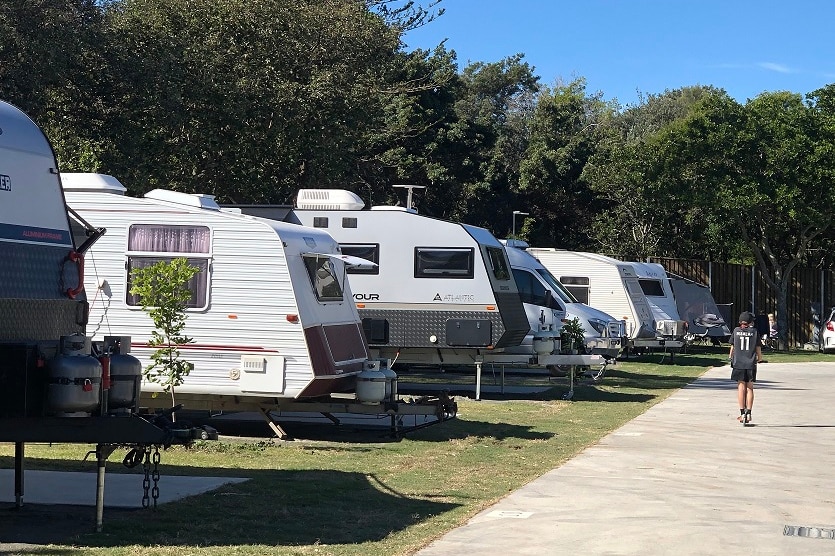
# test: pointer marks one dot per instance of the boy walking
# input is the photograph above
(746, 352)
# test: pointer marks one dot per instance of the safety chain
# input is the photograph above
(155, 477)
(146, 482)
(150, 475)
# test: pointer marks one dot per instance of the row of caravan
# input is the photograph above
(447, 295)
(273, 311)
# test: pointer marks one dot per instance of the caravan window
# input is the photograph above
(369, 252)
(578, 286)
(531, 290)
(323, 278)
(149, 244)
(498, 263)
(444, 262)
(651, 287)
(556, 287)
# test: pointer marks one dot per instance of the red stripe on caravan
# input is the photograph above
(211, 347)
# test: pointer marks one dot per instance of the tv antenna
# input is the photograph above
(409, 188)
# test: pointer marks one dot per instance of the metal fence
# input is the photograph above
(811, 293)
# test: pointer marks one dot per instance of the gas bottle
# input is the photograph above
(74, 378)
(125, 375)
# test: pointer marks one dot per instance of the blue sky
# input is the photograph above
(620, 47)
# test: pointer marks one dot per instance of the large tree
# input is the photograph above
(52, 68)
(565, 129)
(767, 168)
(248, 100)
(626, 175)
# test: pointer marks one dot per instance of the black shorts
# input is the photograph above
(744, 375)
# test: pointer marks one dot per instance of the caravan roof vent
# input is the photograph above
(328, 199)
(100, 183)
(197, 200)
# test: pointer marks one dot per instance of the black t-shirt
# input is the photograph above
(745, 342)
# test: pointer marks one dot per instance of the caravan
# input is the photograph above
(443, 293)
(637, 293)
(271, 314)
(695, 304)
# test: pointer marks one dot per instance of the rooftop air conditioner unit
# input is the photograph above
(328, 199)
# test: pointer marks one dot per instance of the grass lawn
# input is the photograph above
(359, 494)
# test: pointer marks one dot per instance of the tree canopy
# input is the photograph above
(252, 100)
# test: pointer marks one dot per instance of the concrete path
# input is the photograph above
(120, 490)
(685, 478)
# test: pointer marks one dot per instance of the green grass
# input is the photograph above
(360, 494)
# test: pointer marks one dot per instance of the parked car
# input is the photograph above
(828, 333)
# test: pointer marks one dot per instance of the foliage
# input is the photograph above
(163, 292)
(572, 335)
(565, 127)
(252, 100)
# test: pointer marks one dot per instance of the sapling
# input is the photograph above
(163, 293)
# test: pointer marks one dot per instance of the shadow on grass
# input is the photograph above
(274, 508)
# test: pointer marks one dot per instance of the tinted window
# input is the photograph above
(323, 278)
(498, 263)
(369, 252)
(578, 286)
(439, 262)
(651, 287)
(531, 290)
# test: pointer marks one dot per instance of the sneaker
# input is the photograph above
(747, 419)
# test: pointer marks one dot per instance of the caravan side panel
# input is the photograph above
(244, 343)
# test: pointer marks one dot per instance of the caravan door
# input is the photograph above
(643, 325)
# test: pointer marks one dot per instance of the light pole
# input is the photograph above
(513, 229)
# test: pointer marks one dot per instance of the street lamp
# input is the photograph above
(513, 229)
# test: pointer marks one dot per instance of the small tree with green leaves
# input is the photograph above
(573, 336)
(163, 292)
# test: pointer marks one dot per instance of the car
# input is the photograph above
(827, 339)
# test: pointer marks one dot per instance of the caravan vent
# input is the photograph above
(328, 199)
(196, 200)
(84, 181)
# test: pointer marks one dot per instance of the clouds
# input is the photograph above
(779, 68)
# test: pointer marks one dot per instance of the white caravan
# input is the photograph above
(604, 334)
(443, 293)
(619, 289)
(271, 314)
(656, 285)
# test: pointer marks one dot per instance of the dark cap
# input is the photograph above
(746, 316)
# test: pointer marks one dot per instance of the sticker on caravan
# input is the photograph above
(455, 298)
(5, 183)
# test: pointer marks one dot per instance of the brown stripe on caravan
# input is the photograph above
(333, 353)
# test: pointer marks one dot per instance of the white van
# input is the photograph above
(604, 334)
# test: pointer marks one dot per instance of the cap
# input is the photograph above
(746, 316)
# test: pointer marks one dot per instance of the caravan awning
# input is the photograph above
(350, 261)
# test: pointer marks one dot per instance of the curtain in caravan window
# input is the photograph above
(152, 243)
(168, 239)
